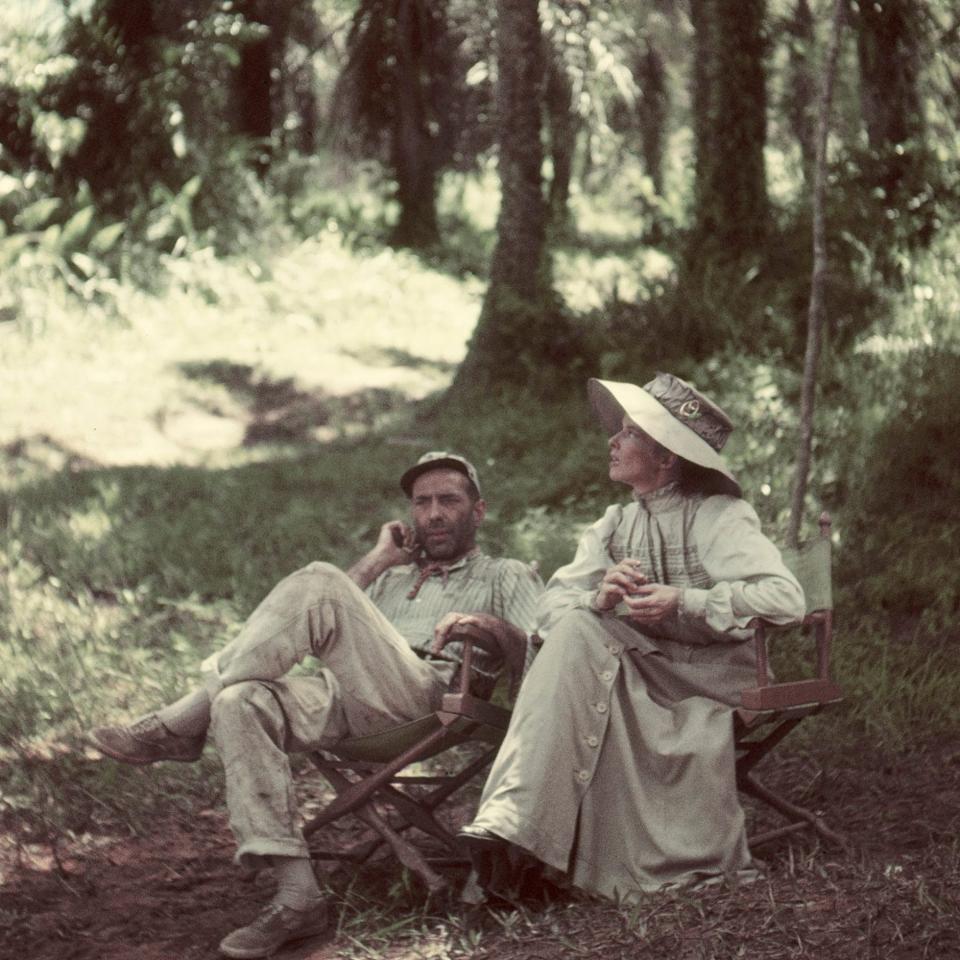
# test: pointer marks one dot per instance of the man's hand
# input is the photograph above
(497, 637)
(652, 603)
(395, 544)
(620, 580)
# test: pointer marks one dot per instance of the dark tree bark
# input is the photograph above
(816, 310)
(652, 110)
(261, 58)
(520, 338)
(889, 51)
(563, 125)
(801, 91)
(413, 152)
(254, 106)
(729, 103)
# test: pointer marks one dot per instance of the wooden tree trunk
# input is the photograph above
(413, 155)
(816, 309)
(652, 110)
(889, 52)
(800, 97)
(255, 111)
(730, 127)
(521, 225)
(563, 124)
(518, 335)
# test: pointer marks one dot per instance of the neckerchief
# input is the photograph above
(437, 568)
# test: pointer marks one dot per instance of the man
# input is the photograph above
(618, 766)
(420, 584)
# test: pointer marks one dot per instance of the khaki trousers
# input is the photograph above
(367, 679)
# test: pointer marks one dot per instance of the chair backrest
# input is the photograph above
(810, 563)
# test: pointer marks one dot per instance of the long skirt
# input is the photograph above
(618, 766)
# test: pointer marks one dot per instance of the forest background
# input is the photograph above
(256, 256)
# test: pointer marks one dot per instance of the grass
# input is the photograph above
(111, 382)
(165, 457)
(169, 456)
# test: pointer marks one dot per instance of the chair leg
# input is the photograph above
(406, 853)
(351, 795)
(419, 811)
(749, 785)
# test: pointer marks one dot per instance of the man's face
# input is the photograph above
(445, 519)
(634, 459)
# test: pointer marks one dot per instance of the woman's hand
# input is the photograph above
(652, 603)
(620, 580)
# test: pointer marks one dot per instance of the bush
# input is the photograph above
(903, 529)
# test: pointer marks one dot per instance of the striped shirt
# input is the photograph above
(506, 588)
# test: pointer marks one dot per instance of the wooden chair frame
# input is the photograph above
(371, 779)
(770, 710)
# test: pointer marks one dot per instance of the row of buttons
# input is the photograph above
(592, 740)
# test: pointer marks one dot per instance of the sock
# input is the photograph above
(189, 716)
(296, 883)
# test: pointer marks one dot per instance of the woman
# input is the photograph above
(618, 766)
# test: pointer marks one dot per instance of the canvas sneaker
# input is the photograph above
(145, 741)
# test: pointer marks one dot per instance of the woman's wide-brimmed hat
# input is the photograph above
(671, 411)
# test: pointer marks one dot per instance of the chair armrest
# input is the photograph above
(781, 694)
(793, 693)
(510, 653)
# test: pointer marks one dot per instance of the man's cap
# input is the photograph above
(674, 413)
(439, 460)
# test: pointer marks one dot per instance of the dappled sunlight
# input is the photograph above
(330, 322)
(589, 282)
(926, 311)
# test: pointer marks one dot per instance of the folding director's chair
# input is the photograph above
(372, 779)
(770, 711)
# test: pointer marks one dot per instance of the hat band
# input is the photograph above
(691, 414)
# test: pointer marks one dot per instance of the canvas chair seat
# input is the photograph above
(379, 779)
(771, 709)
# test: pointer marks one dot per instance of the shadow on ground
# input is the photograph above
(278, 411)
(172, 892)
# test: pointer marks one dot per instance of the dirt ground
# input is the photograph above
(173, 893)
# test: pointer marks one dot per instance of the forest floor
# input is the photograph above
(203, 388)
(172, 892)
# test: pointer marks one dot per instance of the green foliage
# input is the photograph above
(884, 225)
(904, 532)
(112, 531)
(118, 580)
(407, 52)
(324, 193)
(157, 76)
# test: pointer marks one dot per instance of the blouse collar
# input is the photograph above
(667, 497)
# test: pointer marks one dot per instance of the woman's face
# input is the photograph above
(637, 459)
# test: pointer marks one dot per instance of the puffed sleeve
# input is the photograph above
(750, 578)
(574, 585)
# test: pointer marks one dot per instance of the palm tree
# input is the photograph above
(395, 99)
(521, 337)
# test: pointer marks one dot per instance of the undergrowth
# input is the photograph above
(132, 545)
